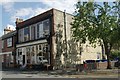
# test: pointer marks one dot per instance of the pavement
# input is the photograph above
(111, 73)
(104, 73)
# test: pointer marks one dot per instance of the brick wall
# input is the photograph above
(9, 49)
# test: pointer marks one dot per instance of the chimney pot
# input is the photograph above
(18, 20)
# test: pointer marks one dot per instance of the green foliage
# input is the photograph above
(94, 22)
(115, 54)
(97, 23)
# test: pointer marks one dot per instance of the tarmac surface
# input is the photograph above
(112, 74)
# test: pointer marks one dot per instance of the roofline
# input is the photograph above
(10, 34)
(35, 16)
(63, 11)
(42, 14)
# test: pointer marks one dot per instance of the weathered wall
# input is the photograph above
(59, 29)
(89, 52)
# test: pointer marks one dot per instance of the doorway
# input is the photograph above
(23, 59)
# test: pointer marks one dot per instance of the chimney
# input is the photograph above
(18, 20)
(7, 30)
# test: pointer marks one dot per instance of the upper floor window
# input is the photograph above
(26, 34)
(32, 32)
(39, 30)
(42, 28)
(21, 35)
(46, 25)
(9, 42)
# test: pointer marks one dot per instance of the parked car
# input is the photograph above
(42, 60)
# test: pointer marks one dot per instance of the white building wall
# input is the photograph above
(59, 25)
(89, 52)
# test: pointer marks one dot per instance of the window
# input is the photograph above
(39, 30)
(28, 51)
(19, 51)
(37, 34)
(21, 35)
(40, 47)
(11, 58)
(32, 32)
(98, 55)
(9, 42)
(26, 34)
(42, 28)
(46, 26)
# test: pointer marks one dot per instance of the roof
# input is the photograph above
(10, 34)
(38, 18)
(35, 19)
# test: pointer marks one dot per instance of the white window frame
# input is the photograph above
(11, 58)
(40, 30)
(48, 27)
(21, 38)
(26, 37)
(30, 32)
(9, 42)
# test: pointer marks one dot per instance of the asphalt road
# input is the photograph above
(39, 75)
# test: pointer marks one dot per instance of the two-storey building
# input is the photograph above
(48, 37)
(8, 48)
(0, 53)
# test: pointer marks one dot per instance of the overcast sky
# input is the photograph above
(12, 9)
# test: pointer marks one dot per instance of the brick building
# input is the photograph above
(8, 47)
(0, 53)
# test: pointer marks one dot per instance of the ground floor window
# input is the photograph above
(34, 54)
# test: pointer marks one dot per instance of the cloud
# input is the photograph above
(21, 13)
(8, 6)
(26, 13)
(68, 5)
(39, 10)
(58, 4)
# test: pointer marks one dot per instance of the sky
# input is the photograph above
(12, 9)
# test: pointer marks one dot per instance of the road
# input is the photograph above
(41, 75)
(8, 74)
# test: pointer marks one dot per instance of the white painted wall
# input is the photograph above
(88, 52)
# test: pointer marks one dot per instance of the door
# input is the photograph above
(23, 59)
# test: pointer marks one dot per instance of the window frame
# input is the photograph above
(10, 42)
(48, 27)
(26, 34)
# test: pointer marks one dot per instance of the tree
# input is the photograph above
(115, 54)
(96, 23)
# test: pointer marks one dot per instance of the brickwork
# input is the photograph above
(9, 52)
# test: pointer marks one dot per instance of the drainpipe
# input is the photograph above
(66, 55)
